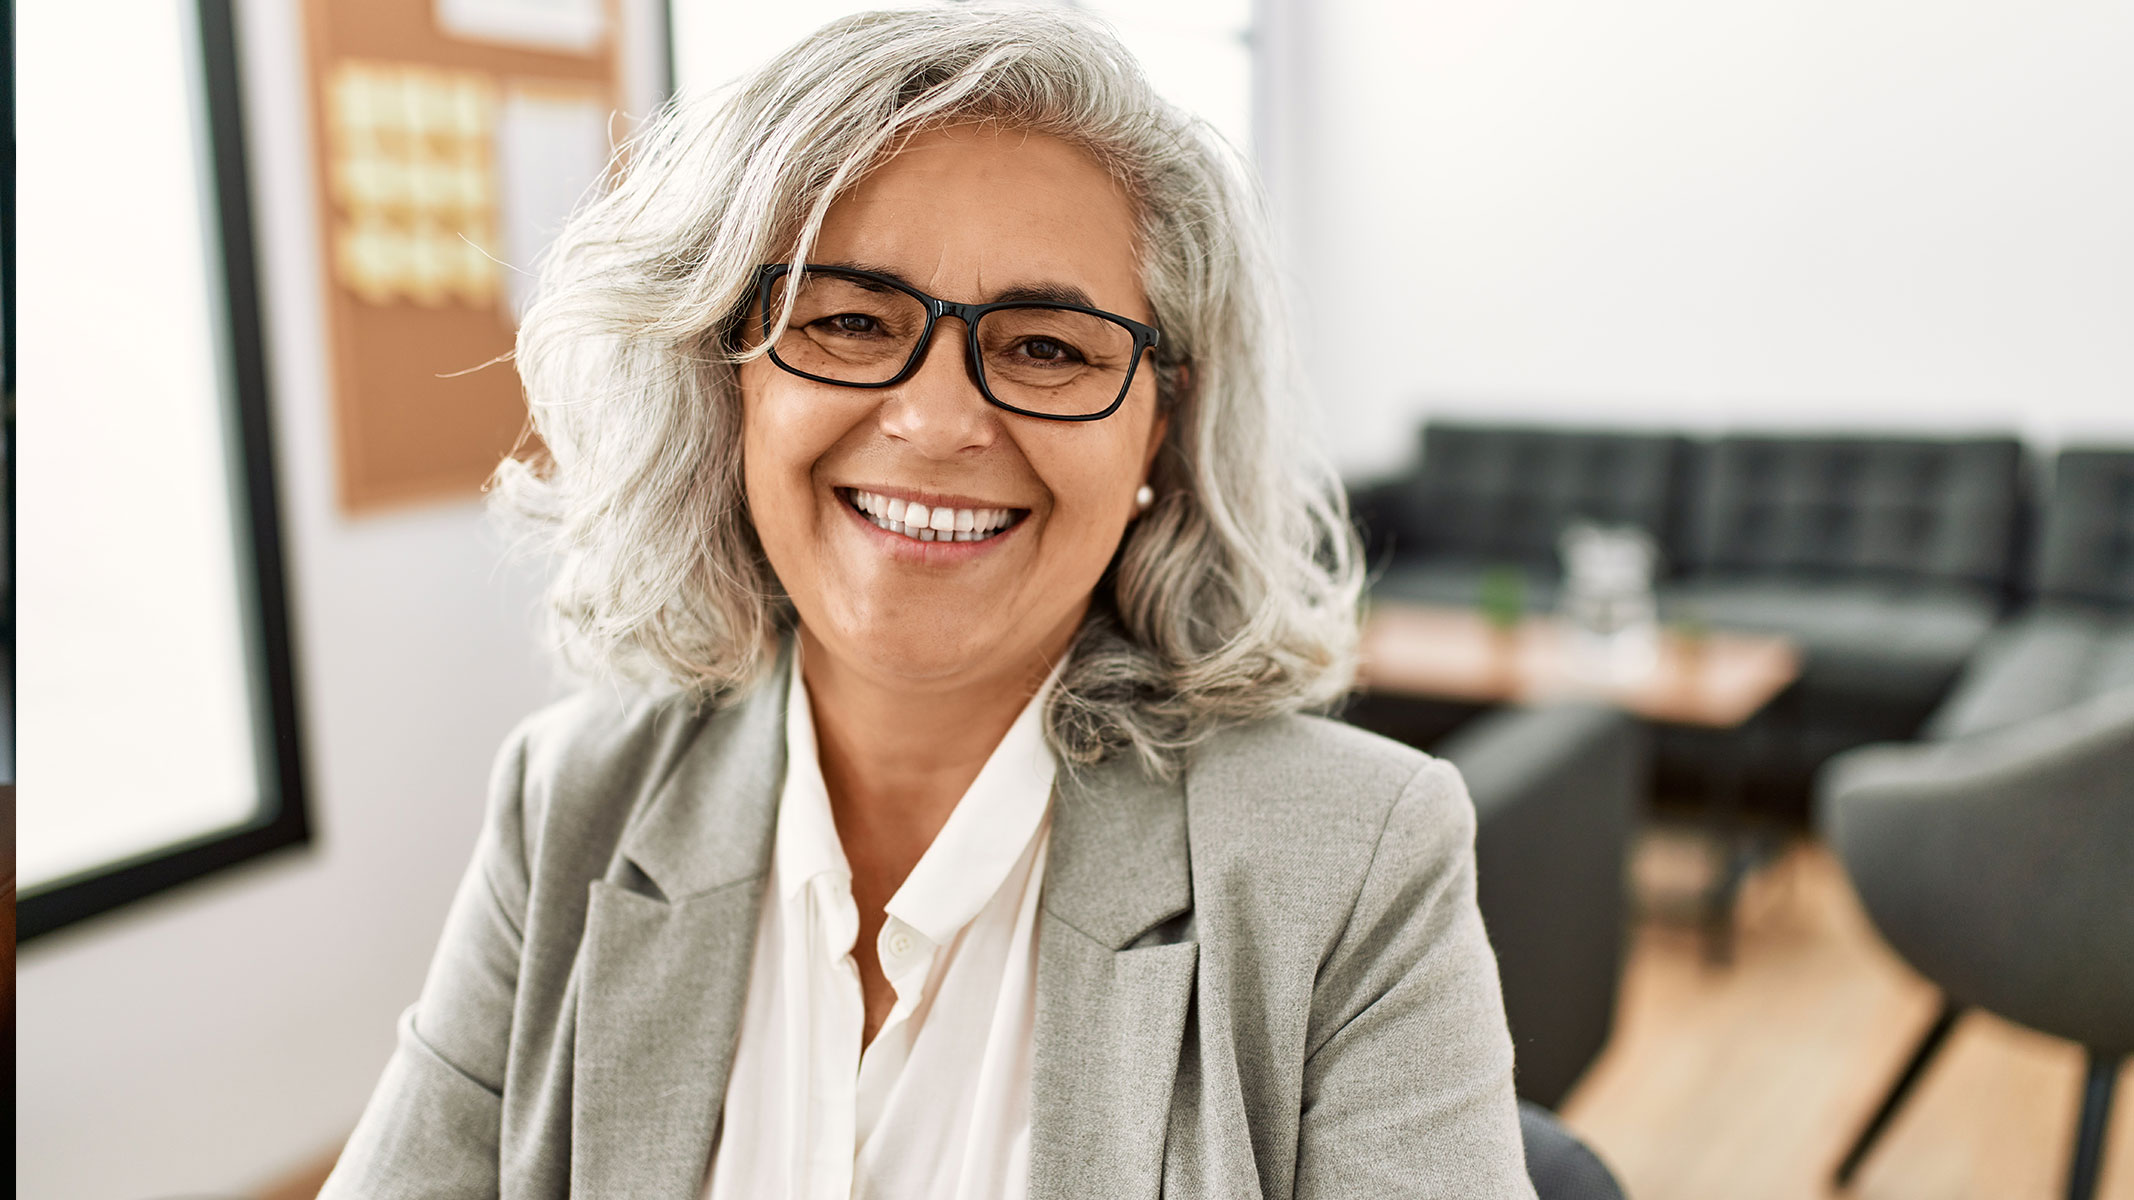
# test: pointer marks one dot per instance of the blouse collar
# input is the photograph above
(985, 836)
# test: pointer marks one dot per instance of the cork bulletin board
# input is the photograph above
(446, 151)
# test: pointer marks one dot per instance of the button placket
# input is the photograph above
(904, 953)
(898, 945)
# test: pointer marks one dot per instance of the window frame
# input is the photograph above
(283, 816)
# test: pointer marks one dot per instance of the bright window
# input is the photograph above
(155, 725)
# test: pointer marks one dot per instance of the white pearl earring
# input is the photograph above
(1143, 497)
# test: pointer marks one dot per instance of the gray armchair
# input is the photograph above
(1557, 792)
(1561, 1166)
(2001, 866)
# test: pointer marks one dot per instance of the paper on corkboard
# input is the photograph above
(425, 238)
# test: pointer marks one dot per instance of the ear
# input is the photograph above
(1159, 429)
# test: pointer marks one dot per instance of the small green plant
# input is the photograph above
(1692, 634)
(1690, 626)
(1503, 598)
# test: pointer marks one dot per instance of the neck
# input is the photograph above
(896, 757)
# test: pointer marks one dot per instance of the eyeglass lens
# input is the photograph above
(1045, 360)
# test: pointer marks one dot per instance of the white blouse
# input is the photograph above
(938, 1106)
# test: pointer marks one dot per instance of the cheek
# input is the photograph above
(780, 439)
(754, 451)
(1093, 486)
(779, 449)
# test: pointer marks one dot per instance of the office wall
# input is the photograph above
(211, 1039)
(1910, 214)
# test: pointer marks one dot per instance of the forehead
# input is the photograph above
(970, 212)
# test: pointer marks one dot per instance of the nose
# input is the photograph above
(938, 409)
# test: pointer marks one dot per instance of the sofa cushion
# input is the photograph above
(2045, 660)
(1882, 642)
(2086, 536)
(1504, 494)
(1458, 583)
(1860, 507)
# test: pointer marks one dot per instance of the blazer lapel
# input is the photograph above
(664, 968)
(1110, 1018)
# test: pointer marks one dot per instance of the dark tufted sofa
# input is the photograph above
(2075, 638)
(1888, 560)
(1484, 498)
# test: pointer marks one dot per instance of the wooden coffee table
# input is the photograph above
(1716, 680)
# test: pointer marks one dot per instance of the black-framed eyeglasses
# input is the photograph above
(1060, 362)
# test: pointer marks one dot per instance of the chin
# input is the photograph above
(917, 655)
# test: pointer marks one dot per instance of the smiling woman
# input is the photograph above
(919, 452)
(973, 211)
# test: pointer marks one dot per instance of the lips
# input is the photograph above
(931, 523)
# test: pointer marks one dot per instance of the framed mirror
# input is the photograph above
(157, 727)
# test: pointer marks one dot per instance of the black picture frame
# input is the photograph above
(283, 819)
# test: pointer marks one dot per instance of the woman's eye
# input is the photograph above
(852, 324)
(1049, 351)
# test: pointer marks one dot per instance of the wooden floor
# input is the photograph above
(1748, 1082)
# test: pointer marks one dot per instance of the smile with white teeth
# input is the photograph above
(923, 524)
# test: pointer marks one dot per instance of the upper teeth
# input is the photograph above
(931, 524)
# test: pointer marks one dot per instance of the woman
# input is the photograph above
(915, 446)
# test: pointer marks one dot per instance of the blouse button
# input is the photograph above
(900, 944)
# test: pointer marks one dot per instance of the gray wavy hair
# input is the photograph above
(1234, 597)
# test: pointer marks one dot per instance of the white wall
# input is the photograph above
(211, 1039)
(1195, 51)
(1908, 214)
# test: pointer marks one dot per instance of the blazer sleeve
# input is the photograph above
(432, 1126)
(1408, 1068)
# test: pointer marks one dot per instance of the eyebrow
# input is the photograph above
(1030, 293)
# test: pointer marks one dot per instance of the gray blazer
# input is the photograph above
(1265, 978)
